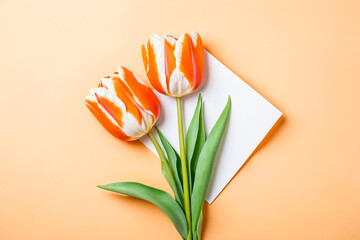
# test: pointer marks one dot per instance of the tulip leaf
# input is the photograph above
(159, 198)
(166, 170)
(197, 233)
(174, 163)
(195, 139)
(205, 165)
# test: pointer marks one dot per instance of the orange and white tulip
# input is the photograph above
(174, 66)
(124, 105)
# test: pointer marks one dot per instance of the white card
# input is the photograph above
(251, 118)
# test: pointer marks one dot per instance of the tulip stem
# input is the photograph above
(184, 164)
(165, 168)
(157, 147)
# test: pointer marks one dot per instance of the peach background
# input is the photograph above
(303, 56)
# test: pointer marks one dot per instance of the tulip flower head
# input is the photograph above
(124, 105)
(174, 66)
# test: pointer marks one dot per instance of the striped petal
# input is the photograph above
(191, 58)
(142, 94)
(169, 58)
(198, 54)
(144, 55)
(178, 84)
(104, 118)
(118, 88)
(155, 61)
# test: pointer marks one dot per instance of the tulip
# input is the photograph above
(128, 109)
(174, 67)
(124, 105)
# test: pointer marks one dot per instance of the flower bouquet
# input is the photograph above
(128, 109)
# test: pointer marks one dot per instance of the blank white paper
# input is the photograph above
(251, 118)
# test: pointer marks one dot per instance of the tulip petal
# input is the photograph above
(178, 85)
(103, 117)
(189, 55)
(142, 94)
(110, 103)
(128, 123)
(187, 64)
(155, 61)
(169, 57)
(198, 54)
(118, 88)
(145, 58)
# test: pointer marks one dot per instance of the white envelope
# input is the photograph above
(251, 118)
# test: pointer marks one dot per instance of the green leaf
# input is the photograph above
(159, 198)
(174, 163)
(193, 130)
(205, 165)
(198, 147)
(166, 170)
(197, 232)
(195, 139)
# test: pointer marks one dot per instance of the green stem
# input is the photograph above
(157, 146)
(165, 168)
(184, 164)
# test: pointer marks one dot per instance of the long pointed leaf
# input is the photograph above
(155, 196)
(193, 130)
(195, 139)
(198, 147)
(205, 165)
(174, 161)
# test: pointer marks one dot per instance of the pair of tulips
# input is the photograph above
(128, 109)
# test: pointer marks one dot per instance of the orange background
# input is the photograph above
(303, 56)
